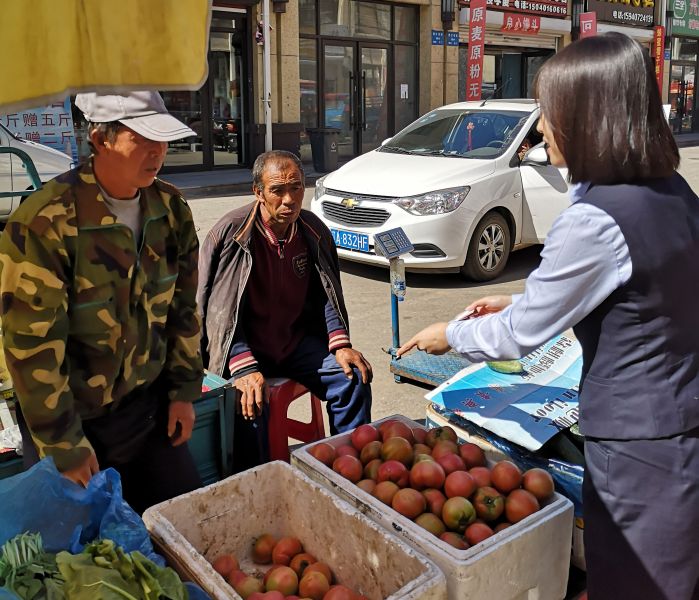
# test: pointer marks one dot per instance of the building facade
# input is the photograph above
(684, 65)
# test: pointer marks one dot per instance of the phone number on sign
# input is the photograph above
(632, 17)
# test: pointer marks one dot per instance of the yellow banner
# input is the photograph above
(50, 48)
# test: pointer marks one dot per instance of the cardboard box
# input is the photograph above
(529, 560)
(276, 498)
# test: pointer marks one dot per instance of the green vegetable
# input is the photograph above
(103, 571)
(508, 367)
(28, 571)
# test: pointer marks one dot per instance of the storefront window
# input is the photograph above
(186, 106)
(371, 20)
(225, 70)
(405, 92)
(340, 18)
(335, 18)
(684, 49)
(307, 16)
(308, 74)
(405, 24)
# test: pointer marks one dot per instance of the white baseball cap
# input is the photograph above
(144, 112)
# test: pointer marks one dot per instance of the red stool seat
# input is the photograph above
(282, 392)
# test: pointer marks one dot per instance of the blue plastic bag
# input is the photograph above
(69, 516)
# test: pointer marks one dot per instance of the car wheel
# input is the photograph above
(488, 249)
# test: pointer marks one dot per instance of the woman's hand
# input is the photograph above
(489, 305)
(432, 339)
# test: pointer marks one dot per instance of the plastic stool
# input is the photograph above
(282, 392)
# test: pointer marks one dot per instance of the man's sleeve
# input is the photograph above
(338, 337)
(34, 269)
(183, 366)
(241, 360)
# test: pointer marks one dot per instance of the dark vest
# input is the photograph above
(640, 376)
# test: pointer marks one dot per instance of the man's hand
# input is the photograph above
(489, 305)
(182, 413)
(84, 471)
(349, 357)
(432, 339)
(253, 394)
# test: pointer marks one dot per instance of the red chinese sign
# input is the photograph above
(523, 24)
(658, 51)
(588, 24)
(476, 45)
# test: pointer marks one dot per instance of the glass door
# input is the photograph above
(226, 77)
(339, 91)
(373, 92)
(682, 79)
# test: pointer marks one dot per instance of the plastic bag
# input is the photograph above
(69, 516)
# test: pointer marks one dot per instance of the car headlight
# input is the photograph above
(320, 188)
(434, 203)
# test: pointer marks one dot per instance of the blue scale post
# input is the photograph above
(417, 366)
(392, 244)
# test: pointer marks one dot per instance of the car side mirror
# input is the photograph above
(536, 157)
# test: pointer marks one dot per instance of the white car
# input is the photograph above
(48, 162)
(455, 182)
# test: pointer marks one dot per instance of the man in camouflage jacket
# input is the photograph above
(101, 332)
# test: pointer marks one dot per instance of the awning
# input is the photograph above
(52, 48)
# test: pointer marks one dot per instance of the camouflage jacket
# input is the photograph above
(87, 316)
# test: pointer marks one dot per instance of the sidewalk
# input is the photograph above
(684, 140)
(238, 180)
(222, 182)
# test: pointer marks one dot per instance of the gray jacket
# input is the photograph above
(225, 262)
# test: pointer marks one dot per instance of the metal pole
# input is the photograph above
(267, 75)
(395, 325)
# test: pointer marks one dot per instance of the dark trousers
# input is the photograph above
(347, 401)
(641, 509)
(133, 440)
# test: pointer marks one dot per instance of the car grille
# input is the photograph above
(360, 216)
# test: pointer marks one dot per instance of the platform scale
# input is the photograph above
(417, 367)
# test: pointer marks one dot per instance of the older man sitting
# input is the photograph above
(272, 302)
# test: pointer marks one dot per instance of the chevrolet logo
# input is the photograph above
(349, 203)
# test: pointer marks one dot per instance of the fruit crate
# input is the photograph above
(528, 560)
(194, 529)
(567, 476)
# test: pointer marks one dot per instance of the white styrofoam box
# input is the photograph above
(433, 418)
(225, 517)
(527, 561)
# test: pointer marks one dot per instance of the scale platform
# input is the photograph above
(427, 369)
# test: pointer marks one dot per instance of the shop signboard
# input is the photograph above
(49, 125)
(658, 52)
(476, 46)
(521, 24)
(685, 18)
(636, 13)
(545, 8)
(588, 25)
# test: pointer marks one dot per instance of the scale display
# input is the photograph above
(392, 243)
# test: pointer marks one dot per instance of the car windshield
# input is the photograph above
(459, 133)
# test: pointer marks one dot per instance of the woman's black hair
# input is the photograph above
(600, 98)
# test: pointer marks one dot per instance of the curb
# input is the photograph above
(242, 188)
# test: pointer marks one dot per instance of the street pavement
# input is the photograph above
(429, 298)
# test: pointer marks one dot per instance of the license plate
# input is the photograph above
(351, 240)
